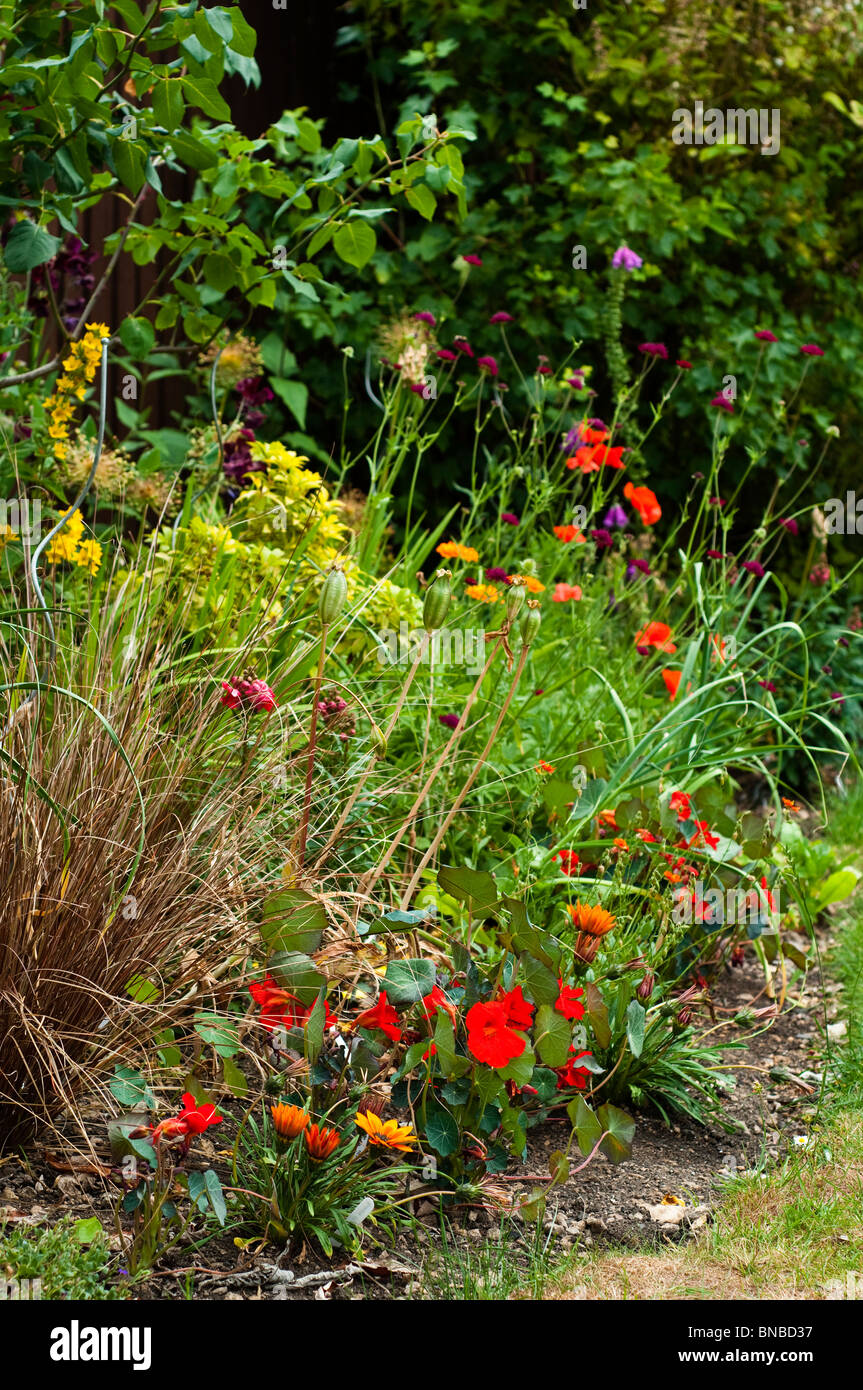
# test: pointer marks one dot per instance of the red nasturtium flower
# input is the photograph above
(320, 1142)
(569, 1001)
(489, 1036)
(572, 1075)
(681, 803)
(436, 999)
(607, 818)
(703, 836)
(281, 1008)
(383, 1017)
(645, 503)
(519, 1011)
(569, 861)
(647, 837)
(655, 635)
(192, 1119)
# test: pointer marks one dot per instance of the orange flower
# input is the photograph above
(645, 503)
(532, 585)
(717, 648)
(452, 550)
(607, 818)
(590, 919)
(387, 1134)
(320, 1142)
(289, 1120)
(791, 806)
(620, 844)
(647, 837)
(485, 593)
(673, 878)
(591, 436)
(543, 767)
(566, 593)
(569, 533)
(590, 457)
(672, 682)
(655, 635)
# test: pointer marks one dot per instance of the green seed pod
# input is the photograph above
(437, 600)
(333, 595)
(515, 597)
(377, 741)
(530, 621)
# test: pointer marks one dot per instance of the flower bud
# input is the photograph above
(378, 742)
(530, 622)
(684, 1017)
(515, 597)
(437, 600)
(644, 988)
(333, 595)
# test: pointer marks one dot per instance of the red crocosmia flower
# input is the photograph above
(703, 836)
(566, 593)
(655, 635)
(569, 533)
(672, 682)
(382, 1017)
(519, 1011)
(197, 1117)
(572, 1076)
(436, 999)
(682, 804)
(569, 861)
(645, 503)
(569, 1001)
(489, 1036)
(472, 259)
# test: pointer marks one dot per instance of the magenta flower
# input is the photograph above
(495, 575)
(654, 350)
(576, 382)
(602, 538)
(254, 694)
(425, 317)
(754, 567)
(450, 720)
(768, 686)
(446, 355)
(417, 387)
(682, 362)
(510, 518)
(790, 524)
(723, 403)
(838, 698)
(461, 344)
(715, 555)
(544, 371)
(812, 350)
(472, 259)
(820, 575)
(765, 336)
(488, 364)
(501, 317)
(626, 259)
(615, 516)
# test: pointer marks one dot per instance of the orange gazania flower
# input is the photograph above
(569, 533)
(590, 919)
(387, 1134)
(645, 503)
(452, 550)
(289, 1120)
(321, 1142)
(655, 635)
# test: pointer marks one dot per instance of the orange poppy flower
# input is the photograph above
(569, 533)
(645, 503)
(655, 635)
(672, 682)
(452, 550)
(566, 593)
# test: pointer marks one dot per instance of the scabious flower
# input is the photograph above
(423, 316)
(501, 317)
(566, 593)
(450, 720)
(386, 1134)
(381, 1018)
(320, 1142)
(445, 355)
(765, 336)
(635, 567)
(654, 350)
(716, 555)
(615, 516)
(495, 575)
(625, 259)
(683, 364)
(569, 533)
(487, 364)
(812, 350)
(655, 635)
(490, 1038)
(790, 525)
(645, 503)
(461, 344)
(722, 402)
(472, 259)
(769, 687)
(510, 518)
(820, 575)
(602, 538)
(754, 567)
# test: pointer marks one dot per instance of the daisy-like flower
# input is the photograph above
(386, 1134)
(453, 550)
(89, 556)
(320, 1142)
(289, 1120)
(483, 593)
(590, 918)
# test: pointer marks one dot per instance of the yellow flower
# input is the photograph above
(89, 556)
(58, 431)
(60, 450)
(533, 584)
(6, 535)
(486, 593)
(388, 1134)
(63, 547)
(101, 329)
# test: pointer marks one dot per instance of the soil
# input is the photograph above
(778, 1078)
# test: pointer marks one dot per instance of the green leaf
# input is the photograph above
(836, 887)
(292, 920)
(470, 886)
(28, 246)
(519, 1069)
(355, 242)
(617, 1145)
(220, 1033)
(129, 162)
(219, 271)
(138, 337)
(635, 1017)
(295, 395)
(408, 981)
(233, 1077)
(195, 153)
(597, 1015)
(314, 1029)
(441, 1130)
(540, 982)
(87, 1230)
(203, 93)
(586, 1125)
(294, 971)
(129, 1088)
(444, 1040)
(168, 103)
(216, 1196)
(552, 1035)
(422, 199)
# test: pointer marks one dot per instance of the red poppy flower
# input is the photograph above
(569, 533)
(566, 593)
(519, 1011)
(569, 1001)
(672, 682)
(645, 503)
(382, 1017)
(489, 1036)
(655, 635)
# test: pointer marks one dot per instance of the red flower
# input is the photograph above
(569, 533)
(573, 1075)
(472, 259)
(645, 503)
(254, 694)
(655, 635)
(569, 861)
(436, 999)
(276, 1004)
(672, 682)
(566, 593)
(703, 836)
(681, 803)
(647, 837)
(197, 1117)
(569, 1001)
(489, 1037)
(383, 1017)
(519, 1012)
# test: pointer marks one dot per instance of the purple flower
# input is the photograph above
(654, 350)
(425, 317)
(768, 686)
(723, 403)
(812, 350)
(615, 516)
(510, 518)
(602, 538)
(790, 524)
(827, 670)
(446, 355)
(450, 720)
(472, 259)
(838, 698)
(596, 424)
(576, 382)
(635, 567)
(501, 317)
(488, 364)
(715, 555)
(495, 575)
(843, 641)
(626, 259)
(461, 344)
(237, 459)
(766, 336)
(754, 567)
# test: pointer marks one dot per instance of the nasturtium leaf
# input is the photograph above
(129, 1088)
(408, 981)
(220, 1033)
(441, 1130)
(635, 1019)
(293, 920)
(216, 1196)
(296, 972)
(585, 1123)
(471, 886)
(540, 983)
(617, 1145)
(597, 1015)
(88, 1229)
(234, 1078)
(519, 1069)
(552, 1036)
